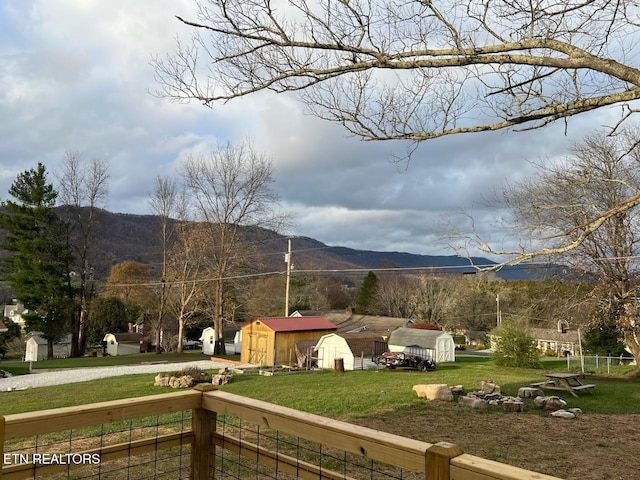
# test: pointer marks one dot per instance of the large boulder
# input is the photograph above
(434, 391)
(551, 403)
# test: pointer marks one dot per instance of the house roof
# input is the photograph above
(295, 324)
(362, 342)
(38, 337)
(347, 321)
(415, 336)
(132, 337)
(552, 334)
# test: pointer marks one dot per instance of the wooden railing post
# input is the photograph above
(203, 424)
(2, 422)
(439, 459)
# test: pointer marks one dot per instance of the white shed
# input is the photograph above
(231, 346)
(436, 344)
(124, 343)
(208, 339)
(355, 350)
(36, 347)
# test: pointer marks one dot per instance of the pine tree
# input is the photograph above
(366, 294)
(38, 260)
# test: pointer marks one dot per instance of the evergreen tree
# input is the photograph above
(366, 294)
(38, 260)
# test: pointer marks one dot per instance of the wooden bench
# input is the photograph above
(583, 387)
(542, 384)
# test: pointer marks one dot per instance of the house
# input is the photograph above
(125, 343)
(3, 327)
(561, 340)
(354, 349)
(14, 313)
(36, 347)
(435, 344)
(268, 341)
(348, 321)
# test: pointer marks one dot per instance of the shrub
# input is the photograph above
(198, 375)
(481, 346)
(550, 353)
(514, 347)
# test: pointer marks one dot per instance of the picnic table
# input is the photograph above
(565, 381)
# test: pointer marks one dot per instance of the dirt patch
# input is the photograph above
(591, 447)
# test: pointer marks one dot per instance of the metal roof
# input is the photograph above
(295, 324)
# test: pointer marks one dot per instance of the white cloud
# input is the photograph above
(75, 74)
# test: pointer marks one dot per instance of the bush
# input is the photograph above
(198, 375)
(550, 353)
(481, 346)
(514, 347)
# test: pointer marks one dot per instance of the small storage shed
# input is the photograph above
(232, 340)
(208, 339)
(269, 341)
(36, 347)
(355, 350)
(436, 344)
(124, 343)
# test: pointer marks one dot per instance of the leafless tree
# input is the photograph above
(231, 191)
(163, 202)
(413, 69)
(83, 189)
(556, 206)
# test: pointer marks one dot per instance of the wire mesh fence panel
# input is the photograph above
(600, 364)
(245, 450)
(156, 447)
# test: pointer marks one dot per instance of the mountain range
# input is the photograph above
(119, 237)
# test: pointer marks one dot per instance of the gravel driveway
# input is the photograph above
(72, 375)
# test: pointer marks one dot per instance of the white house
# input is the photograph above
(14, 313)
(124, 343)
(36, 347)
(354, 349)
(436, 344)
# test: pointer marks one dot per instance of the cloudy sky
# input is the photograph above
(75, 75)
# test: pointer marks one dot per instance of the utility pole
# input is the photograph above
(287, 260)
(498, 312)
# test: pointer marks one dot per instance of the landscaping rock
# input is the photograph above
(457, 390)
(563, 414)
(513, 405)
(473, 402)
(530, 392)
(223, 377)
(185, 381)
(551, 403)
(489, 386)
(576, 411)
(435, 391)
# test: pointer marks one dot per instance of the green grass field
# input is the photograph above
(337, 395)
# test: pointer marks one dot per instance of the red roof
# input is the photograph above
(295, 324)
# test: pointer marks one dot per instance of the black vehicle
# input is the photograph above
(405, 360)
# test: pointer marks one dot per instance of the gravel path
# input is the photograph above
(73, 375)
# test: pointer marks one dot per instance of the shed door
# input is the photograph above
(444, 350)
(257, 349)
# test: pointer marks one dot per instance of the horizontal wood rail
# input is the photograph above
(441, 461)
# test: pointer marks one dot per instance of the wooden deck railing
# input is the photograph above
(208, 443)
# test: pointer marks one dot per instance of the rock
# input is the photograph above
(576, 411)
(530, 392)
(434, 391)
(489, 386)
(185, 381)
(550, 403)
(457, 390)
(512, 405)
(473, 402)
(221, 379)
(563, 414)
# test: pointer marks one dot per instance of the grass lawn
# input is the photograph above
(338, 395)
